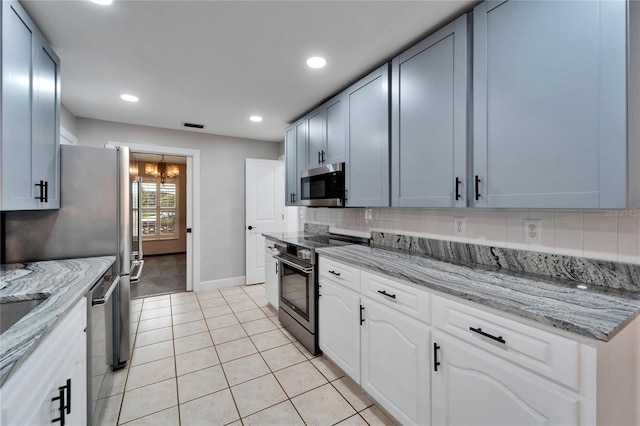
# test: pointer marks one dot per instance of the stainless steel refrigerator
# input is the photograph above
(94, 220)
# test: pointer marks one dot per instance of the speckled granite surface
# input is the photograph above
(602, 273)
(63, 282)
(590, 312)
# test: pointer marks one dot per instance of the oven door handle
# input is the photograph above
(295, 265)
(105, 298)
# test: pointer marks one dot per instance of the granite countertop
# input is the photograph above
(590, 312)
(63, 282)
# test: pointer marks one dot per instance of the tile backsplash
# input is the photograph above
(595, 234)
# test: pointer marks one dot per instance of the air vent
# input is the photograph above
(193, 125)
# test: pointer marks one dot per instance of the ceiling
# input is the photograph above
(219, 62)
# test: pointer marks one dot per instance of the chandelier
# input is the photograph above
(166, 172)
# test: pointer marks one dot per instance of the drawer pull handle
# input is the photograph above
(337, 274)
(479, 331)
(361, 316)
(393, 296)
(436, 363)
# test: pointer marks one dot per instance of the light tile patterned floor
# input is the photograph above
(221, 357)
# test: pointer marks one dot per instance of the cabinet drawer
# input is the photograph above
(339, 273)
(411, 301)
(545, 353)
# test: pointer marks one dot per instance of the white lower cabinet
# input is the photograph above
(433, 360)
(395, 359)
(339, 332)
(270, 274)
(474, 387)
(57, 368)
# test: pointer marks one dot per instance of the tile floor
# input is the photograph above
(221, 357)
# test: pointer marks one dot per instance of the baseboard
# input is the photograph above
(225, 282)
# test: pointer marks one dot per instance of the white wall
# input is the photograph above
(222, 185)
(68, 120)
(597, 234)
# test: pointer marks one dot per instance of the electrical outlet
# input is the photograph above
(532, 230)
(301, 212)
(312, 214)
(368, 214)
(459, 226)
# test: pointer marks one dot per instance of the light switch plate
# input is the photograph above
(301, 213)
(459, 226)
(533, 230)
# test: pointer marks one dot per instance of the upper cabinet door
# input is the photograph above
(290, 171)
(368, 140)
(429, 120)
(549, 86)
(46, 122)
(301, 154)
(17, 40)
(335, 131)
(30, 143)
(315, 137)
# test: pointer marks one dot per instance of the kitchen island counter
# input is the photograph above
(571, 306)
(61, 283)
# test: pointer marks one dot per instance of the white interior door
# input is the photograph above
(264, 211)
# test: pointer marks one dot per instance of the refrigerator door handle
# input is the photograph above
(139, 264)
(105, 297)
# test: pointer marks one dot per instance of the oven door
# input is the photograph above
(297, 290)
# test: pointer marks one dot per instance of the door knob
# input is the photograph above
(251, 227)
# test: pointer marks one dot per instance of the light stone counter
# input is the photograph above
(62, 282)
(595, 312)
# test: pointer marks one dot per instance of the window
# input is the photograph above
(159, 209)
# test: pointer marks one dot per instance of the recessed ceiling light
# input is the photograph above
(255, 118)
(102, 2)
(316, 62)
(129, 98)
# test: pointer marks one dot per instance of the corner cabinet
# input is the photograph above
(549, 104)
(429, 120)
(30, 156)
(367, 103)
(53, 379)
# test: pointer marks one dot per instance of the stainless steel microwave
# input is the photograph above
(323, 186)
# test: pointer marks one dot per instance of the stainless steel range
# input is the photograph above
(298, 283)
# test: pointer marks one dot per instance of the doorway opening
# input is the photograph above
(163, 220)
(159, 215)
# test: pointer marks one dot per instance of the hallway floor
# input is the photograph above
(221, 357)
(166, 273)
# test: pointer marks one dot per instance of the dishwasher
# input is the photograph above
(100, 341)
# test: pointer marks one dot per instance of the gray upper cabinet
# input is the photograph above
(326, 137)
(549, 87)
(429, 120)
(335, 131)
(295, 152)
(315, 137)
(30, 158)
(291, 161)
(367, 172)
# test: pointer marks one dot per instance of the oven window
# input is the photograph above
(295, 290)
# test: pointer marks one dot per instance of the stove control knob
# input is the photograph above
(304, 254)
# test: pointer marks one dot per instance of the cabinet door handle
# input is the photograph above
(319, 160)
(322, 156)
(384, 293)
(337, 274)
(458, 182)
(479, 331)
(41, 187)
(436, 363)
(276, 268)
(64, 404)
(361, 316)
(46, 191)
(477, 187)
